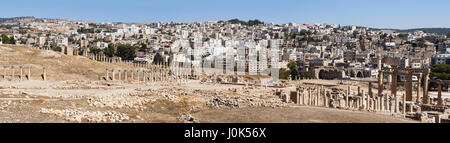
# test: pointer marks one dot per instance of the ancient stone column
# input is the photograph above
(126, 75)
(13, 74)
(358, 103)
(120, 72)
(408, 86)
(143, 75)
(382, 103)
(309, 97)
(132, 75)
(303, 98)
(363, 101)
(29, 73)
(327, 98)
(411, 109)
(21, 73)
(376, 103)
(404, 104)
(391, 104)
(387, 104)
(372, 104)
(425, 86)
(380, 82)
(317, 98)
(394, 83)
(346, 96)
(4, 72)
(419, 78)
(44, 76)
(440, 101)
(396, 104)
(113, 74)
(107, 74)
(138, 79)
(352, 104)
(368, 102)
(359, 91)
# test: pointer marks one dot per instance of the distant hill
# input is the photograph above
(20, 19)
(427, 30)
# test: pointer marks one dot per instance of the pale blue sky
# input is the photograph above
(373, 13)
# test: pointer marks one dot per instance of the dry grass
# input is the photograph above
(58, 66)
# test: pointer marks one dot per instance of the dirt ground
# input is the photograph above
(25, 105)
(294, 115)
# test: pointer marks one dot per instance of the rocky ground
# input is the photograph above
(101, 101)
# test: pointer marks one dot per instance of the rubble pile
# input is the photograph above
(233, 101)
(75, 115)
(120, 101)
(271, 102)
(171, 98)
(187, 118)
(220, 102)
(5, 105)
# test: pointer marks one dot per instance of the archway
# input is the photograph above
(360, 74)
(322, 74)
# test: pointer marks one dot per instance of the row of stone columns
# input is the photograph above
(409, 84)
(156, 74)
(312, 97)
(103, 58)
(45, 48)
(324, 98)
(11, 72)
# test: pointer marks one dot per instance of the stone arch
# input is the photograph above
(360, 74)
(330, 74)
(322, 73)
(352, 73)
(58, 49)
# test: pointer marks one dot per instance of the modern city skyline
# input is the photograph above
(401, 14)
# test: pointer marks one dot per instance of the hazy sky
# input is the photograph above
(373, 13)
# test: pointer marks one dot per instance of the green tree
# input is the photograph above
(12, 41)
(284, 73)
(384, 36)
(126, 52)
(292, 65)
(95, 51)
(355, 33)
(249, 23)
(293, 70)
(294, 74)
(403, 36)
(306, 74)
(109, 51)
(143, 48)
(441, 71)
(5, 39)
(23, 32)
(158, 59)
